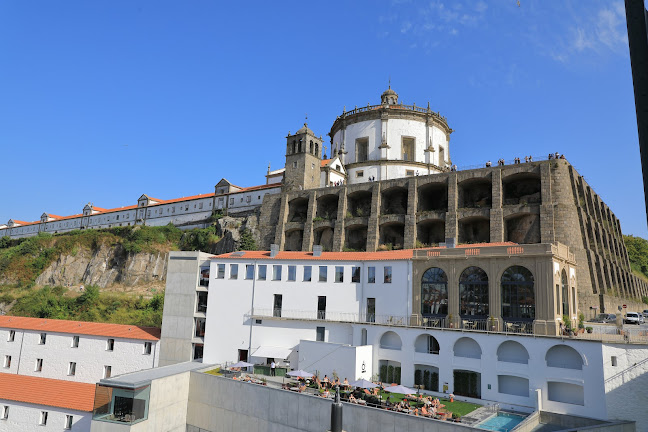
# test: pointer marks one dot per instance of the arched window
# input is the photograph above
(294, 146)
(316, 149)
(565, 293)
(518, 299)
(434, 292)
(300, 146)
(311, 146)
(473, 292)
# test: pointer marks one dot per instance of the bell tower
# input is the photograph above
(303, 159)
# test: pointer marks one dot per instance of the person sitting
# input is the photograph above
(488, 164)
(345, 382)
(562, 156)
(326, 394)
(352, 399)
(302, 388)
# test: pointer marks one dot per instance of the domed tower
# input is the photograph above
(392, 140)
(303, 159)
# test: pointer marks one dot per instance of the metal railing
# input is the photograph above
(413, 107)
(613, 335)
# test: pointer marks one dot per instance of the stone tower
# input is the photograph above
(303, 160)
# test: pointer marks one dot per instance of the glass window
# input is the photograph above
(320, 334)
(262, 271)
(147, 348)
(307, 273)
(39, 365)
(43, 338)
(12, 336)
(292, 272)
(473, 292)
(68, 421)
(249, 271)
(5, 412)
(355, 274)
(200, 327)
(221, 271)
(198, 351)
(110, 344)
(434, 292)
(72, 369)
(388, 274)
(371, 274)
(321, 307)
(276, 272)
(278, 302)
(518, 298)
(322, 274)
(233, 271)
(339, 274)
(43, 418)
(7, 361)
(121, 405)
(201, 304)
(371, 309)
(565, 293)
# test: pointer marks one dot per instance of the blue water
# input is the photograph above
(502, 422)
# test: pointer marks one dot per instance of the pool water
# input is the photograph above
(502, 422)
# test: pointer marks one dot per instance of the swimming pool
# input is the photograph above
(502, 422)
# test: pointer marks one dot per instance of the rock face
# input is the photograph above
(106, 266)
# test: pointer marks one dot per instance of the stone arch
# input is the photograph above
(522, 188)
(475, 193)
(467, 347)
(359, 203)
(433, 196)
(394, 201)
(391, 340)
(474, 229)
(565, 357)
(297, 210)
(392, 233)
(512, 352)
(294, 240)
(522, 228)
(426, 343)
(327, 207)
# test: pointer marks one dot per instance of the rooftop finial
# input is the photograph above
(389, 81)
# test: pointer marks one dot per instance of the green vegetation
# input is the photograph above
(638, 254)
(22, 260)
(247, 242)
(216, 372)
(92, 305)
(199, 239)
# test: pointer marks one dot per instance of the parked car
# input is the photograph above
(642, 318)
(605, 318)
(632, 318)
(645, 313)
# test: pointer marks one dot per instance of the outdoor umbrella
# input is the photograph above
(241, 364)
(300, 373)
(400, 389)
(363, 383)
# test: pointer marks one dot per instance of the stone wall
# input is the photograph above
(538, 202)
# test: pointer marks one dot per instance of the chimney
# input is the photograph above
(317, 250)
(274, 250)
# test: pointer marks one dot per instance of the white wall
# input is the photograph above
(25, 417)
(626, 384)
(326, 358)
(90, 357)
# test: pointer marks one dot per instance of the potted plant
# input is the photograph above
(589, 329)
(456, 417)
(450, 321)
(581, 322)
(493, 323)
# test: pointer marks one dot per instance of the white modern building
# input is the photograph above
(426, 317)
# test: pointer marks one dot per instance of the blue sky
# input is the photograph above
(102, 101)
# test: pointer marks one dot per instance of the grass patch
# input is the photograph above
(216, 372)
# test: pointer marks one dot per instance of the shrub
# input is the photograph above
(247, 241)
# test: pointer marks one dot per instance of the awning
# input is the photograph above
(272, 352)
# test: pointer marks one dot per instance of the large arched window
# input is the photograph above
(565, 293)
(518, 299)
(434, 292)
(473, 292)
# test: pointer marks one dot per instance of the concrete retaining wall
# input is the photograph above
(219, 404)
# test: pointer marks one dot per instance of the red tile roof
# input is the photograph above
(46, 391)
(80, 328)
(326, 162)
(401, 254)
(189, 198)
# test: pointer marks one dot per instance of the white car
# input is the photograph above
(632, 318)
